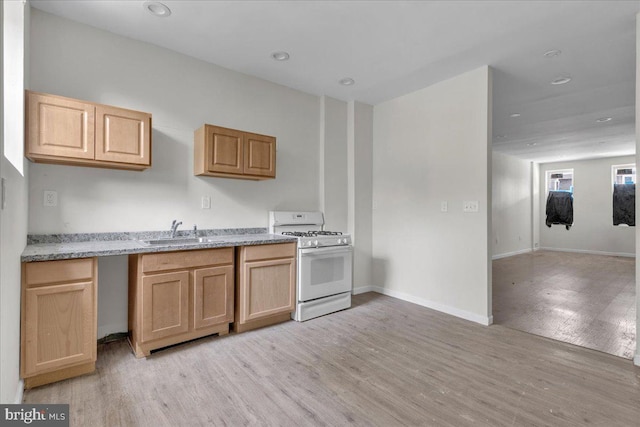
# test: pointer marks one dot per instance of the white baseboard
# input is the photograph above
(463, 314)
(363, 289)
(19, 393)
(508, 254)
(636, 360)
(586, 251)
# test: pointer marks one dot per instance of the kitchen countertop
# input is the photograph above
(67, 246)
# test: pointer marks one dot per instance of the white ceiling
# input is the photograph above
(395, 47)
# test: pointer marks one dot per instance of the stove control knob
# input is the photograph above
(339, 241)
(315, 243)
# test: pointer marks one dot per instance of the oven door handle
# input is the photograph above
(330, 249)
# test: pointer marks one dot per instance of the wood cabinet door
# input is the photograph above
(58, 126)
(60, 326)
(123, 136)
(260, 155)
(213, 296)
(224, 150)
(165, 305)
(267, 288)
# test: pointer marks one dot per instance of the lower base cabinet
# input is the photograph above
(58, 320)
(266, 290)
(173, 297)
(179, 296)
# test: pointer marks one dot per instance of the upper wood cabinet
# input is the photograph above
(233, 153)
(71, 132)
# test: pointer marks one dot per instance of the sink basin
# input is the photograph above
(175, 241)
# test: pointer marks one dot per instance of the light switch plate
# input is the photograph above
(206, 202)
(444, 206)
(470, 206)
(50, 198)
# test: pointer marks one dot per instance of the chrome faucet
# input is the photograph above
(174, 227)
(195, 230)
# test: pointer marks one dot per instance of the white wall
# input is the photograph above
(182, 93)
(512, 210)
(13, 231)
(593, 230)
(431, 146)
(636, 359)
(535, 195)
(333, 163)
(360, 155)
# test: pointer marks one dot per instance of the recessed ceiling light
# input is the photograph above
(531, 144)
(514, 115)
(604, 119)
(551, 53)
(347, 81)
(561, 80)
(157, 9)
(500, 136)
(280, 56)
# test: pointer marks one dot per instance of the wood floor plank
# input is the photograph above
(384, 362)
(583, 299)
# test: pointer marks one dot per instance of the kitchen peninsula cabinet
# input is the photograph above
(266, 288)
(58, 320)
(72, 132)
(233, 153)
(179, 296)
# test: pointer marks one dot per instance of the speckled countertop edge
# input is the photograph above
(137, 235)
(68, 247)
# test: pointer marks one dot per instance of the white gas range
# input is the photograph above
(325, 263)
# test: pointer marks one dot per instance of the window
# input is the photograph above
(624, 174)
(624, 194)
(560, 180)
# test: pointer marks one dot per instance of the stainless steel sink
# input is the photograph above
(175, 241)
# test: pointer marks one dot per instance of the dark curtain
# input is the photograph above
(560, 208)
(624, 204)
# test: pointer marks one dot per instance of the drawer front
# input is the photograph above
(186, 259)
(48, 272)
(280, 250)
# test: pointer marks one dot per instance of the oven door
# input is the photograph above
(324, 271)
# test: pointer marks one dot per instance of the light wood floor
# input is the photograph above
(583, 299)
(384, 362)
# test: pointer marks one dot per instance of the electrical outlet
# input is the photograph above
(444, 206)
(206, 202)
(50, 198)
(470, 206)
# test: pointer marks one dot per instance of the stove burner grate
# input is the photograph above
(311, 233)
